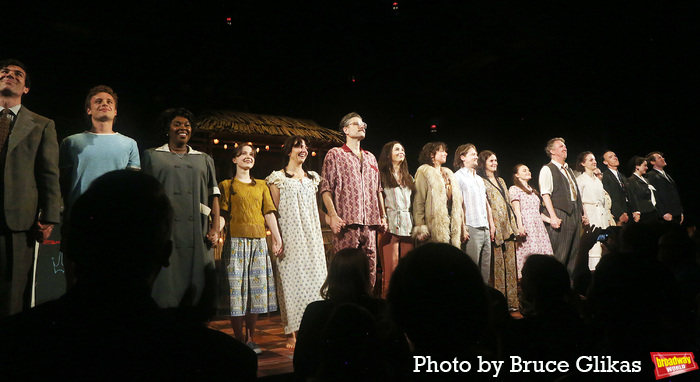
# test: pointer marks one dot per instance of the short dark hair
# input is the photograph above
(124, 238)
(427, 153)
(99, 89)
(437, 277)
(651, 157)
(13, 62)
(166, 117)
(602, 156)
(634, 162)
(346, 118)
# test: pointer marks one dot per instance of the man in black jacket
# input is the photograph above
(615, 183)
(668, 201)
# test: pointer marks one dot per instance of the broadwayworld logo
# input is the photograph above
(670, 364)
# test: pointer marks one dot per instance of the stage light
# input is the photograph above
(267, 147)
(313, 153)
(225, 146)
(216, 141)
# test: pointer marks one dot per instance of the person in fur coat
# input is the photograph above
(438, 214)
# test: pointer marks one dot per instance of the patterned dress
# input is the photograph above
(537, 240)
(503, 248)
(303, 270)
(250, 277)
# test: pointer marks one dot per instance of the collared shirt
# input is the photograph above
(663, 173)
(651, 188)
(190, 151)
(546, 183)
(14, 110)
(474, 195)
(354, 185)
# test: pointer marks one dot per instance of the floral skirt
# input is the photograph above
(250, 276)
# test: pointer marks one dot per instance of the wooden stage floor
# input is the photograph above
(275, 362)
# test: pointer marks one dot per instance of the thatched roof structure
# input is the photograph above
(219, 132)
(249, 124)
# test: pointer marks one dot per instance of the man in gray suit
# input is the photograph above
(562, 198)
(29, 185)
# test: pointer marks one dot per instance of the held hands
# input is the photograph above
(636, 216)
(522, 232)
(213, 237)
(385, 225)
(555, 222)
(277, 248)
(465, 236)
(584, 221)
(43, 231)
(624, 218)
(336, 224)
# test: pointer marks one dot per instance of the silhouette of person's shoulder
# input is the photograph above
(93, 334)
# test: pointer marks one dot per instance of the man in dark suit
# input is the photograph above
(30, 191)
(562, 199)
(615, 183)
(668, 201)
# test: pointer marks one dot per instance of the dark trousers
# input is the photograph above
(565, 239)
(16, 261)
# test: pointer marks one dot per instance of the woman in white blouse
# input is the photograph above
(398, 186)
(593, 198)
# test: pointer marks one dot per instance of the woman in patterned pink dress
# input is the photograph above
(532, 236)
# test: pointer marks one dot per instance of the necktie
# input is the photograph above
(624, 189)
(4, 126)
(571, 181)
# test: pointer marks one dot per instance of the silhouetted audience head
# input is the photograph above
(675, 246)
(640, 239)
(348, 277)
(119, 229)
(350, 346)
(545, 282)
(438, 288)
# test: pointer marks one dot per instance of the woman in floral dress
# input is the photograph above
(532, 235)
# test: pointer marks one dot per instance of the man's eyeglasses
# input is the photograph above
(358, 124)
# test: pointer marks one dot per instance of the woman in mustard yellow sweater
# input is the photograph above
(251, 281)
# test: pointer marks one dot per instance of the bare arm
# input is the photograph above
(492, 225)
(518, 217)
(382, 210)
(336, 222)
(275, 194)
(215, 213)
(271, 221)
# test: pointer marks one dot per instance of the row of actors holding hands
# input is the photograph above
(438, 206)
(473, 209)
